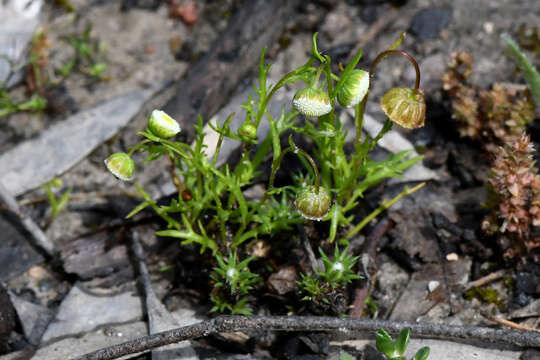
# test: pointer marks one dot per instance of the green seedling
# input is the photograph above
(211, 209)
(8, 105)
(56, 203)
(395, 350)
(87, 57)
(335, 275)
(528, 70)
(233, 281)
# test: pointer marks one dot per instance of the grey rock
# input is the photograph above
(428, 23)
(448, 350)
(531, 310)
(20, 20)
(444, 350)
(7, 319)
(530, 354)
(14, 246)
(72, 347)
(415, 302)
(161, 320)
(17, 355)
(92, 256)
(64, 144)
(34, 318)
(81, 312)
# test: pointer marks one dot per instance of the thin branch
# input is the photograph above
(486, 279)
(310, 323)
(512, 324)
(315, 265)
(159, 318)
(29, 225)
(370, 249)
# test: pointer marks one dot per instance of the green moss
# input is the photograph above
(484, 294)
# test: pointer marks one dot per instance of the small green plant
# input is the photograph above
(395, 350)
(528, 70)
(233, 281)
(346, 356)
(211, 209)
(35, 79)
(88, 55)
(57, 203)
(334, 277)
(8, 105)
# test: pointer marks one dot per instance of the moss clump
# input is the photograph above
(485, 294)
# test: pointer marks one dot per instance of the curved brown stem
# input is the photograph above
(400, 53)
(359, 116)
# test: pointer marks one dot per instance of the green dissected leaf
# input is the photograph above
(398, 41)
(334, 216)
(346, 356)
(315, 50)
(402, 341)
(61, 202)
(348, 69)
(422, 354)
(137, 209)
(66, 69)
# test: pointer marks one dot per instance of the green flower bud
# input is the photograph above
(354, 88)
(404, 106)
(121, 165)
(57, 182)
(162, 125)
(247, 132)
(312, 102)
(313, 205)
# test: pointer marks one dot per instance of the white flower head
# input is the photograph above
(162, 125)
(354, 89)
(312, 102)
(231, 273)
(120, 165)
(338, 267)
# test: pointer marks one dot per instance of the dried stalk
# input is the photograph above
(29, 225)
(486, 279)
(309, 323)
(512, 324)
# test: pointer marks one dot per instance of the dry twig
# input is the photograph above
(369, 248)
(309, 323)
(485, 279)
(29, 225)
(315, 265)
(512, 324)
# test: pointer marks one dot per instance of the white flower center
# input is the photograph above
(231, 273)
(337, 267)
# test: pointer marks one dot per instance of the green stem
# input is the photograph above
(275, 167)
(315, 82)
(279, 84)
(138, 146)
(385, 205)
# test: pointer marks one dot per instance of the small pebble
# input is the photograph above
(488, 27)
(37, 272)
(432, 285)
(452, 257)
